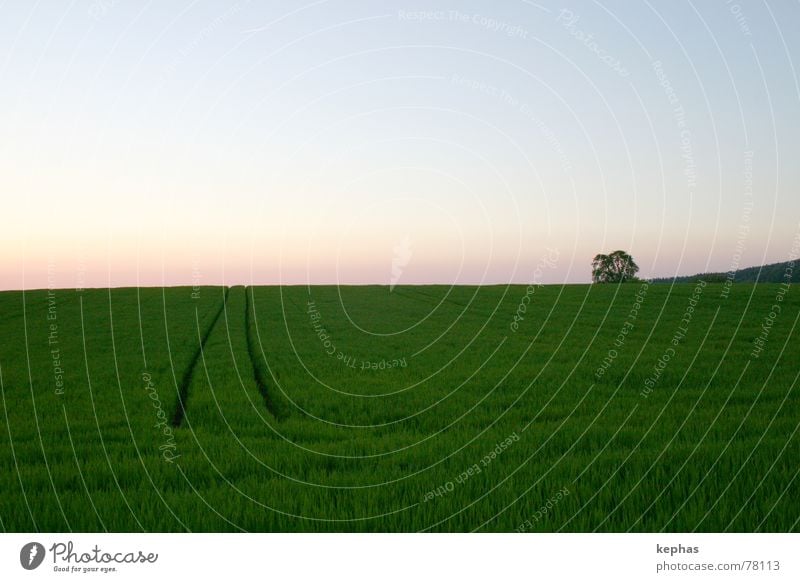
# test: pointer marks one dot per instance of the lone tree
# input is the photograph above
(616, 267)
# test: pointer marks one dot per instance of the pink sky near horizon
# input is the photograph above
(346, 143)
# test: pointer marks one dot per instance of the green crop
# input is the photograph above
(426, 408)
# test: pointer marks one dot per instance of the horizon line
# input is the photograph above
(656, 280)
(432, 284)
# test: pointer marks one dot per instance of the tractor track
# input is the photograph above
(183, 391)
(258, 376)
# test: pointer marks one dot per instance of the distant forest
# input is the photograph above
(787, 271)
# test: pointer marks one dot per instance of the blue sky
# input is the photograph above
(326, 142)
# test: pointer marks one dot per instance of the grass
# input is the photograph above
(420, 409)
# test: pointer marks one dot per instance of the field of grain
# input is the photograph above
(581, 408)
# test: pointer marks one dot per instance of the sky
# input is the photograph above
(324, 142)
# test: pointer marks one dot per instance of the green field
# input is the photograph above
(430, 408)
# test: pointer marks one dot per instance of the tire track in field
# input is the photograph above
(183, 391)
(258, 376)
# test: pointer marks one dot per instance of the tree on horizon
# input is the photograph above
(616, 267)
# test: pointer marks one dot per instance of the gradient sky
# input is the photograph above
(377, 142)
